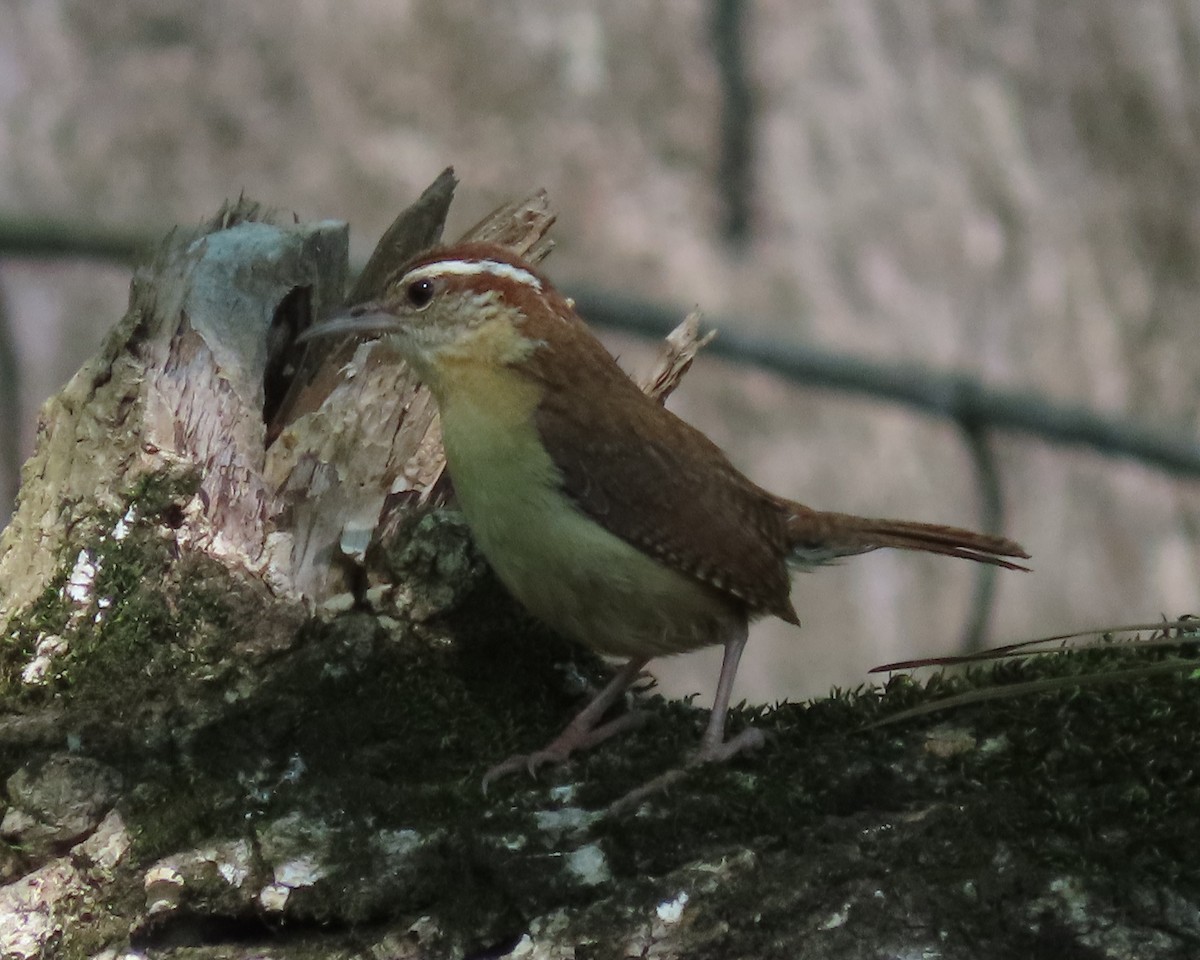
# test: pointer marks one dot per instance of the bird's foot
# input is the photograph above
(574, 738)
(749, 739)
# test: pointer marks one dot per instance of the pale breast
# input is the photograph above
(565, 568)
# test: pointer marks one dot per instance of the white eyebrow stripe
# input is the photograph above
(469, 268)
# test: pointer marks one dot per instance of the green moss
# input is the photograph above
(395, 731)
(114, 633)
(365, 729)
(156, 616)
(108, 921)
(160, 496)
(48, 616)
(1094, 781)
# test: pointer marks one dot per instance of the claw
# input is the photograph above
(583, 732)
(749, 739)
(559, 750)
(531, 762)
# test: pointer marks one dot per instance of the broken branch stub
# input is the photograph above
(282, 462)
(175, 396)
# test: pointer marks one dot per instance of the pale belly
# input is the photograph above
(567, 570)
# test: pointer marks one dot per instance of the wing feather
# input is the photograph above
(656, 482)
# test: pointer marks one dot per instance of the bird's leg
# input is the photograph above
(713, 745)
(583, 732)
(714, 748)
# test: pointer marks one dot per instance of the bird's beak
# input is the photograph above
(364, 318)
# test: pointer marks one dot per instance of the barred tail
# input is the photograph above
(816, 537)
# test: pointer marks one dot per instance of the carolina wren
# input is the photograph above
(607, 516)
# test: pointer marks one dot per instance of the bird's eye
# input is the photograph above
(419, 293)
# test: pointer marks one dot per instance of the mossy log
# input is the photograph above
(252, 672)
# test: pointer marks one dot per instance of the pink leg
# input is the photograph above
(713, 745)
(582, 732)
(714, 748)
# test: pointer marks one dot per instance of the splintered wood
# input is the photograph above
(675, 359)
(294, 457)
(174, 400)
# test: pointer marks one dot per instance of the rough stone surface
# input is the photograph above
(57, 802)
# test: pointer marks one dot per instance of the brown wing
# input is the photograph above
(656, 482)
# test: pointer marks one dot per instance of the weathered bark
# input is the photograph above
(175, 395)
(198, 767)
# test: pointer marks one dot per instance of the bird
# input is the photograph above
(611, 519)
